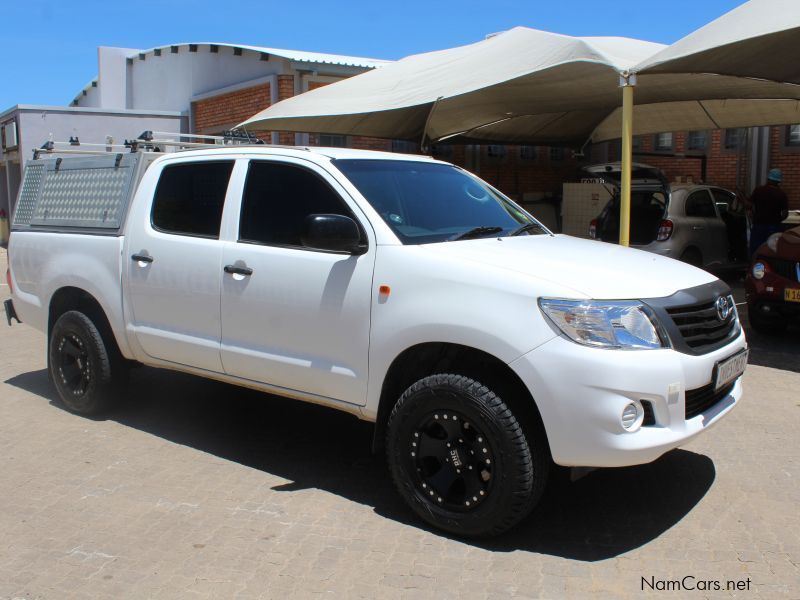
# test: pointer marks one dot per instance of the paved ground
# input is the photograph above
(200, 490)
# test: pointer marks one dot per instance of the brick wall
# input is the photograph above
(516, 175)
(218, 113)
(285, 90)
(724, 167)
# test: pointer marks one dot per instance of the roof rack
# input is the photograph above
(151, 141)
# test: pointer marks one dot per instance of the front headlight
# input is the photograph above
(622, 324)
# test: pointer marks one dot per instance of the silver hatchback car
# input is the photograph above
(703, 225)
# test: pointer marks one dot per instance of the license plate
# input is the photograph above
(791, 294)
(729, 369)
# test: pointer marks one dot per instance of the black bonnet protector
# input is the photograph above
(695, 319)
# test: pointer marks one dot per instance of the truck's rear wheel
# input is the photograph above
(83, 368)
(460, 458)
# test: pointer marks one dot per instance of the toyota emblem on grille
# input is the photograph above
(723, 308)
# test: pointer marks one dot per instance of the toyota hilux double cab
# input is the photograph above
(401, 289)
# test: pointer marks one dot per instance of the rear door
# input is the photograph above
(300, 318)
(173, 255)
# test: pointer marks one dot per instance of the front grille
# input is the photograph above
(785, 268)
(701, 399)
(700, 324)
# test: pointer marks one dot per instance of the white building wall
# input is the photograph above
(112, 76)
(90, 97)
(169, 81)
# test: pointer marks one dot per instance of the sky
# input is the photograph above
(50, 48)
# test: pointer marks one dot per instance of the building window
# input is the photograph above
(662, 142)
(734, 138)
(696, 140)
(557, 153)
(404, 147)
(332, 141)
(527, 152)
(496, 151)
(793, 135)
(636, 144)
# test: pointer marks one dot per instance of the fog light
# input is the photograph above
(758, 270)
(632, 416)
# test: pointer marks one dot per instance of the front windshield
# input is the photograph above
(434, 202)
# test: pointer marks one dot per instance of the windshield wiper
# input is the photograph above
(475, 232)
(524, 228)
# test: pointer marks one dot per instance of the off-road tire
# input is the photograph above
(520, 460)
(87, 371)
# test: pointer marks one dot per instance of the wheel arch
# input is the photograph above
(692, 249)
(69, 298)
(424, 359)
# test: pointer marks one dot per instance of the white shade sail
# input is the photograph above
(533, 87)
(519, 72)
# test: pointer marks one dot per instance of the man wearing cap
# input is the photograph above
(769, 207)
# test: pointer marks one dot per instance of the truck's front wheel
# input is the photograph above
(82, 366)
(461, 459)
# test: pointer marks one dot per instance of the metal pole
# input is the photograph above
(627, 81)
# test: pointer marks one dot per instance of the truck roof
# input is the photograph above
(303, 152)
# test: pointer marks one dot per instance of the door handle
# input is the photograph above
(142, 258)
(698, 227)
(234, 270)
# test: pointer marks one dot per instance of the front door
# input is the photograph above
(701, 217)
(173, 255)
(293, 317)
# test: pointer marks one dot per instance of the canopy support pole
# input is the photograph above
(627, 82)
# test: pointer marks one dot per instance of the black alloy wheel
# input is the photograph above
(453, 460)
(460, 458)
(74, 368)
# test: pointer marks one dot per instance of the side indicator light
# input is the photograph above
(384, 290)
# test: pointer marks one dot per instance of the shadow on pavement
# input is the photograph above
(779, 351)
(605, 514)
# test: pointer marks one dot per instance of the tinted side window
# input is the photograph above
(190, 197)
(277, 199)
(699, 204)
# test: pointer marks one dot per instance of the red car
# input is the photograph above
(773, 283)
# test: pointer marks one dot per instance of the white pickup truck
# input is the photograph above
(399, 288)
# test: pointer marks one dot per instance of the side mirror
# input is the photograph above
(722, 207)
(335, 233)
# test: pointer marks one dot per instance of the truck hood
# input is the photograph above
(595, 269)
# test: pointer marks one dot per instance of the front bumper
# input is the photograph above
(581, 393)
